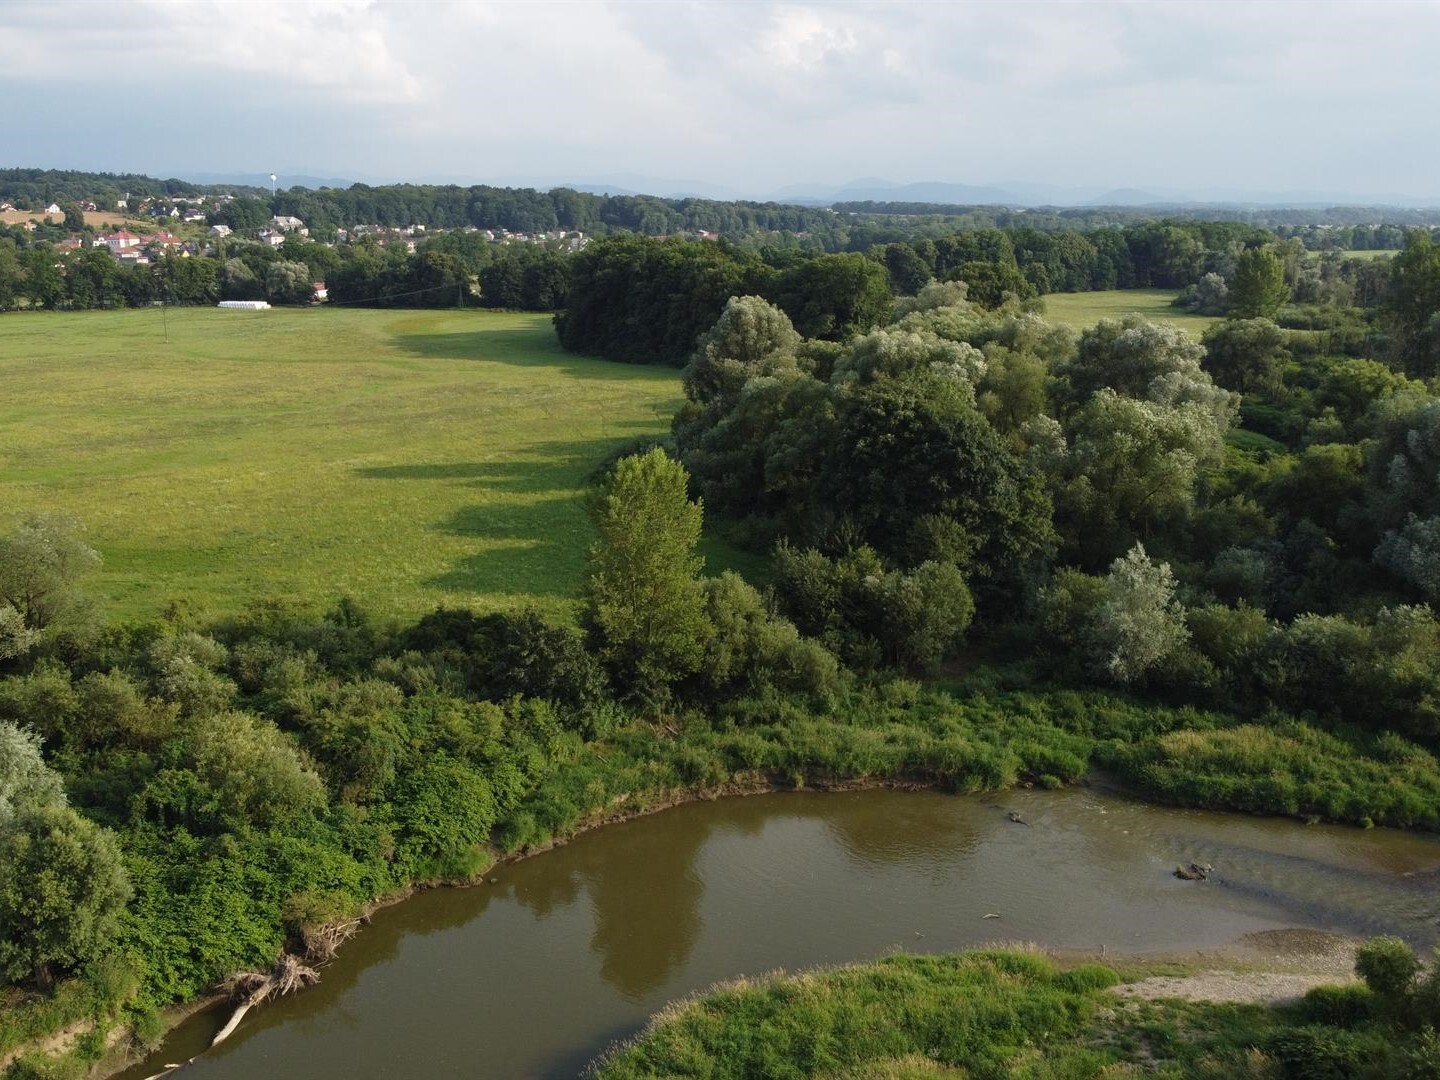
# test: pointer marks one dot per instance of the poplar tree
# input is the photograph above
(644, 604)
(1258, 289)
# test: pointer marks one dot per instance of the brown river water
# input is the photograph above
(535, 974)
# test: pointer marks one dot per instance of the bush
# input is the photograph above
(1388, 966)
(1338, 1006)
(754, 652)
(870, 615)
(1320, 1053)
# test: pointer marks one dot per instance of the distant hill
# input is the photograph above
(262, 180)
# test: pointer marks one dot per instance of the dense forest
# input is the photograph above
(636, 298)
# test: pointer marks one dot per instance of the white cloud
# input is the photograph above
(336, 46)
(752, 95)
(802, 38)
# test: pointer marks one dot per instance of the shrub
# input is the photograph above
(1338, 1006)
(1388, 966)
(1320, 1053)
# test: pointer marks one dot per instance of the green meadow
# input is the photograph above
(408, 458)
(1085, 309)
(1378, 253)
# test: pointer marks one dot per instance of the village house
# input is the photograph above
(219, 230)
(286, 223)
(121, 241)
(53, 208)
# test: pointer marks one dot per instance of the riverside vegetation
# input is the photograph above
(1014, 1014)
(1207, 567)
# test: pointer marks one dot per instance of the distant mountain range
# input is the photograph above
(867, 189)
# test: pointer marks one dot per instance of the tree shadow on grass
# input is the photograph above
(523, 347)
(533, 531)
(534, 468)
(530, 524)
(535, 547)
(531, 469)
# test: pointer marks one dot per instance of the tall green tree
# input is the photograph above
(644, 604)
(289, 283)
(62, 889)
(1258, 289)
(41, 563)
(1413, 304)
(751, 337)
(1247, 355)
(835, 297)
(1124, 623)
(25, 780)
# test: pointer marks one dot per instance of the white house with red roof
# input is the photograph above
(121, 241)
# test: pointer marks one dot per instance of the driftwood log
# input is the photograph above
(250, 988)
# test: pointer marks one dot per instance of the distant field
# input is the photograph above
(112, 218)
(1369, 254)
(409, 458)
(96, 218)
(1082, 310)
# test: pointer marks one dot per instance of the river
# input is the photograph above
(533, 974)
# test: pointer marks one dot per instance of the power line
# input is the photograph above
(389, 296)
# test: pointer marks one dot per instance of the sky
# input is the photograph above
(754, 98)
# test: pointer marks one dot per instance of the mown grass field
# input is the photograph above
(1081, 310)
(408, 458)
(1378, 253)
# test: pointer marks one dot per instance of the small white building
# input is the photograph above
(53, 208)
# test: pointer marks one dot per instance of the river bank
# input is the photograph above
(629, 807)
(907, 738)
(1010, 1010)
(618, 921)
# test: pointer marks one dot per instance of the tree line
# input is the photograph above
(447, 271)
(457, 267)
(642, 299)
(842, 226)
